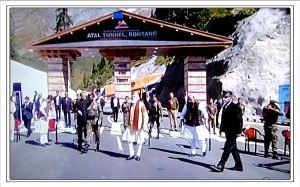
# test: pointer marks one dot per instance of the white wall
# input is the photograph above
(31, 80)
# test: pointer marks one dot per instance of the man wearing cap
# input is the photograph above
(137, 122)
(270, 116)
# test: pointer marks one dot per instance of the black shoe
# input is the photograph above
(236, 168)
(157, 137)
(97, 147)
(130, 158)
(218, 168)
(137, 158)
(192, 155)
(204, 154)
(275, 157)
(176, 130)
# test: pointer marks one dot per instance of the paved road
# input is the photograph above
(165, 159)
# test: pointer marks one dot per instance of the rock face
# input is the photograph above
(259, 60)
(172, 81)
(147, 69)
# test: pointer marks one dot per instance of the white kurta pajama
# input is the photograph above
(12, 110)
(44, 121)
(132, 134)
(196, 135)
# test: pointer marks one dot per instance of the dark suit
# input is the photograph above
(115, 109)
(81, 105)
(57, 106)
(27, 116)
(231, 124)
(38, 106)
(67, 107)
(34, 98)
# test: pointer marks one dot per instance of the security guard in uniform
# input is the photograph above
(270, 116)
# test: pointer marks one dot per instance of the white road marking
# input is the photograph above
(119, 144)
(154, 134)
(115, 129)
(101, 129)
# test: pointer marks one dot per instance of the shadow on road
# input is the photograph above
(208, 166)
(68, 145)
(270, 166)
(184, 146)
(262, 154)
(113, 154)
(169, 151)
(32, 142)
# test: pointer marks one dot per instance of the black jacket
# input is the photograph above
(232, 120)
(82, 105)
(271, 115)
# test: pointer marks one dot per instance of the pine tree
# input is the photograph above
(63, 20)
(12, 43)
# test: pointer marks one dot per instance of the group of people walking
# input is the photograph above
(140, 115)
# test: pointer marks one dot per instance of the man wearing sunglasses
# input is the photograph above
(231, 124)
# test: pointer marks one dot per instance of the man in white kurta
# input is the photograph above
(137, 122)
(194, 130)
(12, 110)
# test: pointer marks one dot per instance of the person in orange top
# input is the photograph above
(135, 130)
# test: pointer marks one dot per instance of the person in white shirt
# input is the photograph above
(115, 106)
(137, 123)
(194, 129)
(12, 110)
(47, 112)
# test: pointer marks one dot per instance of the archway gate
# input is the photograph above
(123, 36)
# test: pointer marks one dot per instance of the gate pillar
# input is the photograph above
(195, 77)
(57, 76)
(122, 77)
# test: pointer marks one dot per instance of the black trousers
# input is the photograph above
(57, 111)
(67, 116)
(27, 124)
(115, 113)
(152, 121)
(82, 130)
(230, 147)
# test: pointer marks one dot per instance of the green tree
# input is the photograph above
(101, 74)
(12, 43)
(63, 20)
(200, 18)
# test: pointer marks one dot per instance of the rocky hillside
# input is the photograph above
(32, 23)
(259, 60)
